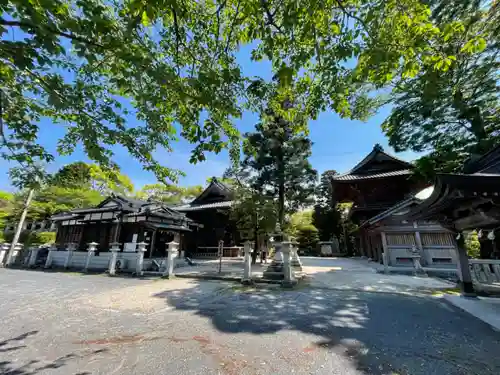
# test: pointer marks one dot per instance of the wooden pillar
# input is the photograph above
(153, 240)
(418, 242)
(371, 251)
(362, 245)
(385, 249)
(379, 247)
(464, 269)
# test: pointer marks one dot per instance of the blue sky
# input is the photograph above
(338, 143)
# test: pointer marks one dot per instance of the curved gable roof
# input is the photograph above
(377, 164)
(215, 192)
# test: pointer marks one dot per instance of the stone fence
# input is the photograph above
(16, 255)
(113, 261)
(485, 274)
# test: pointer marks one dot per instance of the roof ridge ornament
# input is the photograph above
(378, 147)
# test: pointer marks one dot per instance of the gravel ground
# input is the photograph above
(60, 323)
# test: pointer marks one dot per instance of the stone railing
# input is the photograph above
(485, 273)
(212, 252)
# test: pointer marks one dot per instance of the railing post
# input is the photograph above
(33, 256)
(70, 248)
(91, 251)
(289, 279)
(141, 249)
(115, 248)
(247, 272)
(14, 256)
(48, 261)
(173, 248)
(3, 251)
(295, 261)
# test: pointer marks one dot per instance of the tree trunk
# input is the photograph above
(281, 189)
(19, 226)
(256, 243)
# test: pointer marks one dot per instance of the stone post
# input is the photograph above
(278, 255)
(326, 249)
(115, 248)
(141, 249)
(173, 248)
(247, 271)
(3, 252)
(91, 251)
(48, 261)
(33, 256)
(296, 263)
(289, 279)
(70, 248)
(14, 258)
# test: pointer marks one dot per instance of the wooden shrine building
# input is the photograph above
(197, 226)
(126, 221)
(468, 201)
(211, 209)
(382, 188)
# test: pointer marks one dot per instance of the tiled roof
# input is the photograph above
(196, 207)
(352, 177)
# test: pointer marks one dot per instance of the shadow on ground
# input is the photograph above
(35, 366)
(381, 333)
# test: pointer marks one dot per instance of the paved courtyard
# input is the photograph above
(64, 323)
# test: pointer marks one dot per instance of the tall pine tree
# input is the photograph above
(326, 217)
(276, 156)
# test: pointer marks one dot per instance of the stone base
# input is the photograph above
(296, 265)
(168, 276)
(247, 282)
(289, 284)
(274, 271)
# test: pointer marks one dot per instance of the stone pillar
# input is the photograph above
(70, 248)
(464, 269)
(278, 255)
(115, 248)
(14, 258)
(4, 248)
(296, 263)
(326, 248)
(92, 247)
(288, 276)
(247, 271)
(141, 249)
(33, 256)
(48, 261)
(173, 248)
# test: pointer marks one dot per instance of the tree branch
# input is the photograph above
(53, 30)
(354, 17)
(270, 16)
(228, 42)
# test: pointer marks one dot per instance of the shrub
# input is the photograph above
(43, 237)
(472, 245)
(28, 237)
(308, 237)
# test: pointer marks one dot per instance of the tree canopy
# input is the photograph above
(169, 193)
(92, 176)
(276, 157)
(451, 109)
(138, 74)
